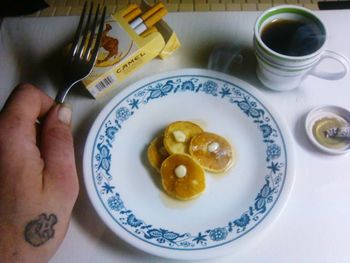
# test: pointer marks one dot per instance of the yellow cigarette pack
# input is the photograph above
(123, 51)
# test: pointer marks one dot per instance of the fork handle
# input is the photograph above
(62, 93)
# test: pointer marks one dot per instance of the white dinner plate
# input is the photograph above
(235, 207)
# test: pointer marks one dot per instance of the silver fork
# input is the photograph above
(83, 52)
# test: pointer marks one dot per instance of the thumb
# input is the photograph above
(57, 151)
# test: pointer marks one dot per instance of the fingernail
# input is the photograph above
(65, 114)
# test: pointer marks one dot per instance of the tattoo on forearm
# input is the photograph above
(40, 230)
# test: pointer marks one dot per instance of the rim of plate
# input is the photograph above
(204, 253)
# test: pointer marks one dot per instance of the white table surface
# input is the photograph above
(315, 225)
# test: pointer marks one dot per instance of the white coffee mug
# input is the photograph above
(282, 72)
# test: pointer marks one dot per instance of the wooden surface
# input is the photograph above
(74, 7)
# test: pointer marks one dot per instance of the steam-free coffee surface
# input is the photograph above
(292, 37)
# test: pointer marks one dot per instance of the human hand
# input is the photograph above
(38, 178)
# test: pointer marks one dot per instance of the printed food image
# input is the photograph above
(178, 134)
(183, 153)
(182, 177)
(110, 52)
(213, 152)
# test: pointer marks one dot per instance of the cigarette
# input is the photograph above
(148, 23)
(342, 132)
(133, 14)
(128, 9)
(146, 15)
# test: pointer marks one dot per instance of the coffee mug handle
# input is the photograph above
(327, 54)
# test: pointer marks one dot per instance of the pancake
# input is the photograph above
(182, 177)
(213, 152)
(178, 134)
(156, 153)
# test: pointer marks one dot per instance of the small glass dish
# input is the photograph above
(324, 117)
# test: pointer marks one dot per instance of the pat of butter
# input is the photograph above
(179, 136)
(181, 171)
(213, 147)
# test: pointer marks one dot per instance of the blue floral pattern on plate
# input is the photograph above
(276, 162)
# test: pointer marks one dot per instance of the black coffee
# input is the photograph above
(292, 38)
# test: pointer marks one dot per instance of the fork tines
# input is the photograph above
(84, 49)
(84, 46)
